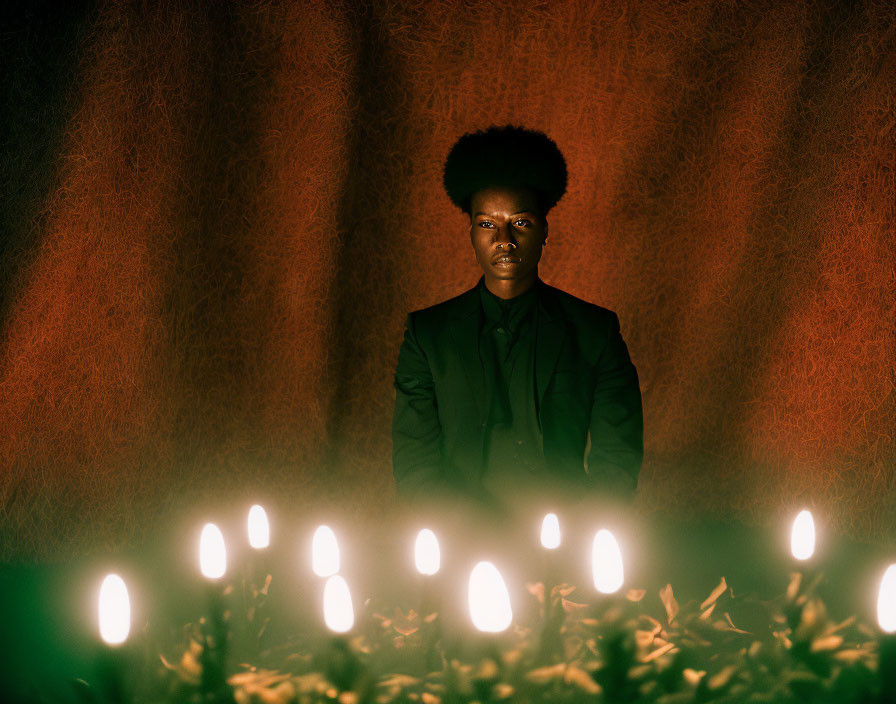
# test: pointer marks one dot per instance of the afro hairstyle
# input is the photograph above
(505, 156)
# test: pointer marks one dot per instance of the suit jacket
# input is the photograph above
(586, 384)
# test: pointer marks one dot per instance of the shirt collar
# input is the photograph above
(510, 311)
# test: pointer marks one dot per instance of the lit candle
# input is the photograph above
(550, 541)
(324, 552)
(489, 599)
(341, 665)
(802, 548)
(428, 561)
(606, 563)
(802, 536)
(254, 578)
(114, 626)
(886, 619)
(213, 565)
(552, 614)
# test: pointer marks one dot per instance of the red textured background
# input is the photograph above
(206, 299)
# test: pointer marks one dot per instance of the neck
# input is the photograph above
(511, 288)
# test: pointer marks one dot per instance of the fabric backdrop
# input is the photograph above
(217, 215)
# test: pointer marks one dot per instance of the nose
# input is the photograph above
(504, 238)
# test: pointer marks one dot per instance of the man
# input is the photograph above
(500, 390)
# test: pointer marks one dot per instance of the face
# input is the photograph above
(509, 217)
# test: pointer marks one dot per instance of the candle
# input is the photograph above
(213, 564)
(886, 619)
(324, 552)
(489, 599)
(552, 614)
(114, 626)
(802, 536)
(254, 578)
(427, 560)
(341, 665)
(606, 563)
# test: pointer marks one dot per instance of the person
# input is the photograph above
(500, 391)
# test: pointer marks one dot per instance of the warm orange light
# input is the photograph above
(550, 532)
(886, 601)
(115, 610)
(324, 552)
(489, 600)
(802, 536)
(606, 563)
(259, 528)
(427, 557)
(338, 612)
(212, 553)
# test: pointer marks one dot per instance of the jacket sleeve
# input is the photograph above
(617, 422)
(416, 429)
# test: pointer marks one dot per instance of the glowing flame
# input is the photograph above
(550, 532)
(338, 613)
(212, 553)
(115, 610)
(802, 536)
(259, 528)
(886, 601)
(606, 563)
(426, 552)
(324, 552)
(489, 600)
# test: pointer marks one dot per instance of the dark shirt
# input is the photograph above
(513, 450)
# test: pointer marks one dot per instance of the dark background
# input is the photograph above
(216, 216)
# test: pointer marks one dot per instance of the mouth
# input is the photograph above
(505, 260)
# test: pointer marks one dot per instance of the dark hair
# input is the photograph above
(505, 156)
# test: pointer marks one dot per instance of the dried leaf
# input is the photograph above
(543, 675)
(536, 590)
(562, 589)
(571, 606)
(721, 678)
(715, 594)
(669, 602)
(635, 594)
(693, 677)
(796, 578)
(826, 643)
(658, 652)
(581, 679)
(706, 614)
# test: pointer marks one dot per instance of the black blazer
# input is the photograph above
(586, 383)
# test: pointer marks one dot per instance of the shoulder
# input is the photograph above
(441, 313)
(576, 310)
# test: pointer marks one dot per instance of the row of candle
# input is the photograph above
(489, 600)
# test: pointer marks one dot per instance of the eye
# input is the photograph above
(485, 223)
(522, 222)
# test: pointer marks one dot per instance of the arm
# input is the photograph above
(617, 423)
(416, 430)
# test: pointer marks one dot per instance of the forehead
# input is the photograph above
(504, 200)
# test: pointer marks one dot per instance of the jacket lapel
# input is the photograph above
(548, 343)
(465, 330)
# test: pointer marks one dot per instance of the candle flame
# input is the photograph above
(212, 553)
(886, 601)
(606, 563)
(550, 532)
(115, 610)
(802, 536)
(259, 528)
(489, 600)
(324, 552)
(338, 612)
(426, 552)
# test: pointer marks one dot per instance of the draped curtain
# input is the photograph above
(217, 215)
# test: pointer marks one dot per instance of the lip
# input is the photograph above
(510, 260)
